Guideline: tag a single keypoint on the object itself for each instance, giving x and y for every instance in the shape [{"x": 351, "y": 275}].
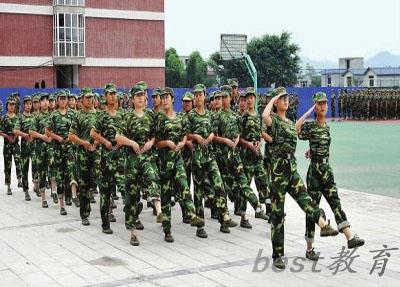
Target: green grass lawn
[{"x": 365, "y": 156}]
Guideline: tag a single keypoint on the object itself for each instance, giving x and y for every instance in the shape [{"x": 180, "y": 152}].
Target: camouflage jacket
[
  {"x": 140, "y": 129},
  {"x": 284, "y": 136},
  {"x": 318, "y": 137}
]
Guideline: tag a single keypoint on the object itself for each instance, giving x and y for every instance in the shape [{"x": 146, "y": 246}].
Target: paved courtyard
[{"x": 38, "y": 247}]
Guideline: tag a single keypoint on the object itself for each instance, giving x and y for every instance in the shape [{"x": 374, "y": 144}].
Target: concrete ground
[{"x": 38, "y": 247}]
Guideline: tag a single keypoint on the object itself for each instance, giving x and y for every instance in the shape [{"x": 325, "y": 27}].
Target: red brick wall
[
  {"x": 29, "y": 2},
  {"x": 116, "y": 38},
  {"x": 26, "y": 78},
  {"x": 122, "y": 77},
  {"x": 141, "y": 5},
  {"x": 26, "y": 35}
]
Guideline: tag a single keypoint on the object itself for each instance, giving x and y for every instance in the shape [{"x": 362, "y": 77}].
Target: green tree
[
  {"x": 274, "y": 56},
  {"x": 174, "y": 69},
  {"x": 196, "y": 69}
]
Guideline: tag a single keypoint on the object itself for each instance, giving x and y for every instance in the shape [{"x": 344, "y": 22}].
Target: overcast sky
[{"x": 325, "y": 30}]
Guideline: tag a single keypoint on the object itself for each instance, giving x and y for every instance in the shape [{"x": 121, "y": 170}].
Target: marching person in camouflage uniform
[
  {"x": 320, "y": 180},
  {"x": 284, "y": 176},
  {"x": 58, "y": 130},
  {"x": 11, "y": 143},
  {"x": 242, "y": 104},
  {"x": 204, "y": 167},
  {"x": 227, "y": 133},
  {"x": 104, "y": 131},
  {"x": 87, "y": 156},
  {"x": 333, "y": 105},
  {"x": 171, "y": 139},
  {"x": 137, "y": 132},
  {"x": 21, "y": 129},
  {"x": 35, "y": 175},
  {"x": 71, "y": 157},
  {"x": 42, "y": 142},
  {"x": 234, "y": 84},
  {"x": 251, "y": 127}
]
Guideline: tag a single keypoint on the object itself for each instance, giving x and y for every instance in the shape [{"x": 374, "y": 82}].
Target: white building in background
[{"x": 351, "y": 73}]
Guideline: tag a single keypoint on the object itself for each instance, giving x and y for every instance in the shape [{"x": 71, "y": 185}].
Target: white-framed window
[
  {"x": 69, "y": 2},
  {"x": 329, "y": 81},
  {"x": 371, "y": 81},
  {"x": 69, "y": 35}
]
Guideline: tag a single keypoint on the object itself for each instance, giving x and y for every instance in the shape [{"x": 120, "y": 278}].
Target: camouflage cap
[
  {"x": 241, "y": 95},
  {"x": 103, "y": 101},
  {"x": 86, "y": 92},
  {"x": 188, "y": 96},
  {"x": 226, "y": 90},
  {"x": 120, "y": 96},
  {"x": 110, "y": 88},
  {"x": 27, "y": 98},
  {"x": 71, "y": 95},
  {"x": 137, "y": 89},
  {"x": 61, "y": 93},
  {"x": 320, "y": 97},
  {"x": 233, "y": 82},
  {"x": 199, "y": 88},
  {"x": 44, "y": 95},
  {"x": 96, "y": 95},
  {"x": 217, "y": 94},
  {"x": 11, "y": 100},
  {"x": 143, "y": 84},
  {"x": 280, "y": 91},
  {"x": 167, "y": 90},
  {"x": 52, "y": 97},
  {"x": 158, "y": 92},
  {"x": 36, "y": 97},
  {"x": 250, "y": 91}
]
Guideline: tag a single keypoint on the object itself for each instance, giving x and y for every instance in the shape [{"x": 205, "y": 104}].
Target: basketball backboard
[{"x": 233, "y": 46}]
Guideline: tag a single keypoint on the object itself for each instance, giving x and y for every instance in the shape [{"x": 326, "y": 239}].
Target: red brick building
[{"x": 78, "y": 43}]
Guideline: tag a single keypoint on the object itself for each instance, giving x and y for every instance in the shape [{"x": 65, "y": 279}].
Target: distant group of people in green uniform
[
  {"x": 365, "y": 104},
  {"x": 80, "y": 145}
]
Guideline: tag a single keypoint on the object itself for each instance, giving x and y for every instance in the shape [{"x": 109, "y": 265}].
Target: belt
[{"x": 320, "y": 159}]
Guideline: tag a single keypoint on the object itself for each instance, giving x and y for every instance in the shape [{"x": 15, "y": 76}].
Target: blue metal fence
[{"x": 305, "y": 95}]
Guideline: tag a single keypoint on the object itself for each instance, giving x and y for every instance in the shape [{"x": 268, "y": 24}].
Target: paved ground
[{"x": 38, "y": 247}]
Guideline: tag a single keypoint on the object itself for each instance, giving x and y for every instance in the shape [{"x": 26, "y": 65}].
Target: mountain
[
  {"x": 383, "y": 59},
  {"x": 317, "y": 64}
]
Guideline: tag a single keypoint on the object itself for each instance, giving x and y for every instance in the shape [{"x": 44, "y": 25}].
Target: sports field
[{"x": 365, "y": 156}]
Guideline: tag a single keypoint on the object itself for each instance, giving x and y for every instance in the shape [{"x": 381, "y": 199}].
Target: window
[
  {"x": 69, "y": 35},
  {"x": 347, "y": 64},
  {"x": 371, "y": 81},
  {"x": 69, "y": 2},
  {"x": 349, "y": 81},
  {"x": 329, "y": 81}
]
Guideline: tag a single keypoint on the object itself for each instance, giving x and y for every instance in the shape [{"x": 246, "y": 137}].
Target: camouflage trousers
[
  {"x": 71, "y": 165},
  {"x": 86, "y": 174},
  {"x": 207, "y": 178},
  {"x": 120, "y": 172},
  {"x": 27, "y": 153},
  {"x": 35, "y": 177},
  {"x": 60, "y": 167},
  {"x": 235, "y": 181},
  {"x": 254, "y": 167},
  {"x": 140, "y": 171},
  {"x": 44, "y": 159},
  {"x": 11, "y": 150},
  {"x": 187, "y": 161},
  {"x": 320, "y": 181},
  {"x": 174, "y": 182},
  {"x": 107, "y": 183},
  {"x": 285, "y": 179}
]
